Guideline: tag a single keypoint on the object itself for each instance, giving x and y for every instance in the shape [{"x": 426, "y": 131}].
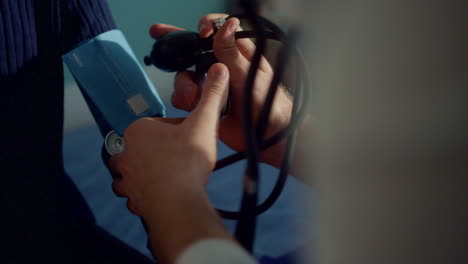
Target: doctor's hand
[
  {"x": 165, "y": 167},
  {"x": 236, "y": 55},
  {"x": 163, "y": 154}
]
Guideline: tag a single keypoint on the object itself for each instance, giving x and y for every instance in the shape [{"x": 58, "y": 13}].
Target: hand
[
  {"x": 166, "y": 156},
  {"x": 236, "y": 55},
  {"x": 164, "y": 168}
]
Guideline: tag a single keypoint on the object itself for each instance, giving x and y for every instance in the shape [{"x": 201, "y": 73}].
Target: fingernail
[{"x": 219, "y": 72}]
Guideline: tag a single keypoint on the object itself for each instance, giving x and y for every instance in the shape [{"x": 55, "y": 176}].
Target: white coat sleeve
[{"x": 215, "y": 251}]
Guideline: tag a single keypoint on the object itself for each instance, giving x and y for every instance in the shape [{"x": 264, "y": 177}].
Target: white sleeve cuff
[{"x": 215, "y": 251}]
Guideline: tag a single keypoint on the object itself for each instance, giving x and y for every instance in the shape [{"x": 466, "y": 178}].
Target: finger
[
  {"x": 132, "y": 208},
  {"x": 214, "y": 95},
  {"x": 160, "y": 30},
  {"x": 114, "y": 168},
  {"x": 135, "y": 128},
  {"x": 227, "y": 52},
  {"x": 172, "y": 121},
  {"x": 247, "y": 49},
  {"x": 206, "y": 28},
  {"x": 117, "y": 188},
  {"x": 206, "y": 25},
  {"x": 186, "y": 91}
]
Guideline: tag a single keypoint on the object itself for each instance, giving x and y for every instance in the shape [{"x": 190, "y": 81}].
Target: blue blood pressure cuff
[{"x": 114, "y": 84}]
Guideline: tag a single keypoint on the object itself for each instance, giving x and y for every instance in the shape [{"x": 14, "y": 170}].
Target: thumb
[
  {"x": 227, "y": 51},
  {"x": 214, "y": 95}
]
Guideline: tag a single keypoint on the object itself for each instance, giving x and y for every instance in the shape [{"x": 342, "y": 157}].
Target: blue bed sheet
[{"x": 277, "y": 229}]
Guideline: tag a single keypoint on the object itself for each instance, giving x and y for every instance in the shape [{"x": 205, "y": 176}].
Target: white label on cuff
[{"x": 138, "y": 104}]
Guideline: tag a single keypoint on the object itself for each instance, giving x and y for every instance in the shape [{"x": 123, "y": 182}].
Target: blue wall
[{"x": 135, "y": 17}]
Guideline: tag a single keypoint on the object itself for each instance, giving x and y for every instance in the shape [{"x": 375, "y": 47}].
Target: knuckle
[
  {"x": 117, "y": 189},
  {"x": 174, "y": 100},
  {"x": 229, "y": 47},
  {"x": 131, "y": 207},
  {"x": 215, "y": 89},
  {"x": 204, "y": 19},
  {"x": 130, "y": 131},
  {"x": 134, "y": 128},
  {"x": 156, "y": 26},
  {"x": 116, "y": 166}
]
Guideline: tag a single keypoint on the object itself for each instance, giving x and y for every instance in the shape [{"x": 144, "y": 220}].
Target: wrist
[
  {"x": 300, "y": 167},
  {"x": 178, "y": 219},
  {"x": 275, "y": 154},
  {"x": 282, "y": 117},
  {"x": 175, "y": 187}
]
